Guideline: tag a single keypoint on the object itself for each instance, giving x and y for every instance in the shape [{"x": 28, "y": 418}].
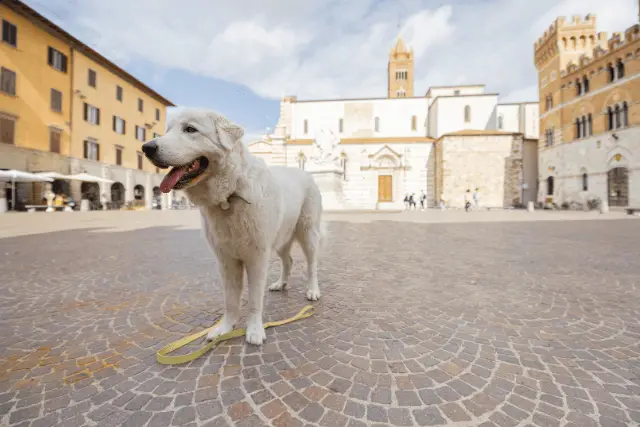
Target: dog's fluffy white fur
[{"x": 248, "y": 211}]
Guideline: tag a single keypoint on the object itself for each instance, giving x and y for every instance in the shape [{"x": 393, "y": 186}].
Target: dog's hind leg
[
  {"x": 231, "y": 272},
  {"x": 287, "y": 262},
  {"x": 309, "y": 235}
]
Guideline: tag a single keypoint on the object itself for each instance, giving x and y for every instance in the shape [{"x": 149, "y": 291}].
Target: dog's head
[{"x": 194, "y": 139}]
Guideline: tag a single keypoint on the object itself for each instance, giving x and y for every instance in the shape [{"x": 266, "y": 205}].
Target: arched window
[
  {"x": 612, "y": 73},
  {"x": 589, "y": 125},
  {"x": 584, "y": 127},
  {"x": 618, "y": 117},
  {"x": 619, "y": 69},
  {"x": 467, "y": 114},
  {"x": 585, "y": 84},
  {"x": 578, "y": 88},
  {"x": 625, "y": 114},
  {"x": 500, "y": 122},
  {"x": 585, "y": 182},
  {"x": 609, "y": 118},
  {"x": 578, "y": 128},
  {"x": 550, "y": 186},
  {"x": 376, "y": 124}
]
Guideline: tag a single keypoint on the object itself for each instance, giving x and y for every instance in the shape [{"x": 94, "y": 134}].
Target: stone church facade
[{"x": 450, "y": 140}]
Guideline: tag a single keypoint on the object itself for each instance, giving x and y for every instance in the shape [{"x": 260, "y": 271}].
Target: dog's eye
[{"x": 190, "y": 129}]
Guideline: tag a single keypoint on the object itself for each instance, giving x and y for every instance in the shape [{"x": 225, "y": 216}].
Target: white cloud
[{"x": 320, "y": 49}]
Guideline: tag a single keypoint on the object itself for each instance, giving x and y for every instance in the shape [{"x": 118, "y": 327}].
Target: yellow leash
[{"x": 163, "y": 357}]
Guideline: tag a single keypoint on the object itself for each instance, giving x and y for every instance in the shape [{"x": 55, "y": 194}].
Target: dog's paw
[
  {"x": 313, "y": 294},
  {"x": 220, "y": 329},
  {"x": 256, "y": 334},
  {"x": 277, "y": 286}
]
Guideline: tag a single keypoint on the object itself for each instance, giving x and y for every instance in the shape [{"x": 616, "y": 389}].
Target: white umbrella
[
  {"x": 88, "y": 178},
  {"x": 14, "y": 176},
  {"x": 54, "y": 175}
]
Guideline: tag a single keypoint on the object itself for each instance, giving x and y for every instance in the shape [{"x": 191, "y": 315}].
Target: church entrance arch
[{"x": 618, "y": 186}]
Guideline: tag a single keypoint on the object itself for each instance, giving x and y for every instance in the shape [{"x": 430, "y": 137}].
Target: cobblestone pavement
[{"x": 479, "y": 324}]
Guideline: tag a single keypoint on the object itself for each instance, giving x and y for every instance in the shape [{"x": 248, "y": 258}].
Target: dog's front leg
[
  {"x": 231, "y": 272},
  {"x": 257, "y": 270}
]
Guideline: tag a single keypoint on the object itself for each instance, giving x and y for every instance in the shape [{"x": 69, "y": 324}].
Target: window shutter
[
  {"x": 50, "y": 57},
  {"x": 114, "y": 124},
  {"x": 14, "y": 34},
  {"x": 97, "y": 116},
  {"x": 97, "y": 151},
  {"x": 124, "y": 126},
  {"x": 64, "y": 63},
  {"x": 86, "y": 112},
  {"x": 144, "y": 134},
  {"x": 86, "y": 149}
]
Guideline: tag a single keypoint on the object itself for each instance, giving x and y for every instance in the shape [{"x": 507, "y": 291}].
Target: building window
[
  {"x": 414, "y": 123},
  {"x": 141, "y": 133},
  {"x": 467, "y": 114},
  {"x": 7, "y": 130},
  {"x": 57, "y": 60},
  {"x": 589, "y": 125},
  {"x": 578, "y": 128},
  {"x": 119, "y": 93},
  {"x": 8, "y": 81},
  {"x": 340, "y": 125},
  {"x": 612, "y": 73},
  {"x": 140, "y": 161},
  {"x": 376, "y": 124},
  {"x": 9, "y": 33},
  {"x": 585, "y": 182},
  {"x": 585, "y": 85},
  {"x": 402, "y": 75},
  {"x": 456, "y": 93},
  {"x": 609, "y": 118},
  {"x": 550, "y": 186},
  {"x": 500, "y": 121},
  {"x": 56, "y": 100},
  {"x": 54, "y": 140},
  {"x": 578, "y": 88},
  {"x": 625, "y": 114},
  {"x": 549, "y": 137},
  {"x": 401, "y": 93},
  {"x": 119, "y": 156},
  {"x": 119, "y": 125},
  {"x": 305, "y": 126},
  {"x": 91, "y": 150},
  {"x": 140, "y": 105},
  {"x": 91, "y": 114},
  {"x": 619, "y": 69},
  {"x": 617, "y": 117},
  {"x": 157, "y": 114},
  {"x": 92, "y": 78}
]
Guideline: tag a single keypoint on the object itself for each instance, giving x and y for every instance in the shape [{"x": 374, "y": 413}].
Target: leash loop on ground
[{"x": 162, "y": 356}]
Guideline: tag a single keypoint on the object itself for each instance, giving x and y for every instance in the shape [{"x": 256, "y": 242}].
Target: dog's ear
[{"x": 228, "y": 132}]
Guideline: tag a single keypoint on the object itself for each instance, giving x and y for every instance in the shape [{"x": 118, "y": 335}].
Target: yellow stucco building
[
  {"x": 589, "y": 85},
  {"x": 66, "y": 108}
]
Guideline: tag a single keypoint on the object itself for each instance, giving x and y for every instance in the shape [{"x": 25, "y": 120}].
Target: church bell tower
[{"x": 400, "y": 71}]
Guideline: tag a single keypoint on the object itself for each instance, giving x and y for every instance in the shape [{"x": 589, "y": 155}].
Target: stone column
[
  {"x": 128, "y": 187},
  {"x": 148, "y": 192},
  {"x": 3, "y": 199}
]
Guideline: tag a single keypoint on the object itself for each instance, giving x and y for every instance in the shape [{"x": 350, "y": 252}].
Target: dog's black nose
[{"x": 150, "y": 149}]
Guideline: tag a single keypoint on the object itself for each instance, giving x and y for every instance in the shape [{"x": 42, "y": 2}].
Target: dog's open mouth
[{"x": 182, "y": 176}]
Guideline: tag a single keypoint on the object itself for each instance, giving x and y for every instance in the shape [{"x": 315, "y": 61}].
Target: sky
[{"x": 240, "y": 57}]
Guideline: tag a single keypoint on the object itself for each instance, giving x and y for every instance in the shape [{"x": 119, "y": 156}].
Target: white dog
[{"x": 247, "y": 209}]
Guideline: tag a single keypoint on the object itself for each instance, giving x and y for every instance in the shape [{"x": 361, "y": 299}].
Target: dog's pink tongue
[{"x": 171, "y": 179}]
